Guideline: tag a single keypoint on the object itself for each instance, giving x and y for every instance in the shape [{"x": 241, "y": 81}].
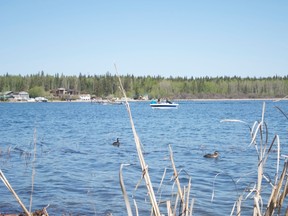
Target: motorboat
[
  {"x": 41, "y": 99},
  {"x": 163, "y": 105}
]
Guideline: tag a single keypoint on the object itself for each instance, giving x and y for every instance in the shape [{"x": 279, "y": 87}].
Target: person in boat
[
  {"x": 158, "y": 101},
  {"x": 167, "y": 101}
]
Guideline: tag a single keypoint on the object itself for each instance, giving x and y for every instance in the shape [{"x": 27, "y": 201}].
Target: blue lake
[{"x": 77, "y": 168}]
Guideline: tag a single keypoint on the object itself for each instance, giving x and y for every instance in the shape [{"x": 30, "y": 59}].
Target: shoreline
[{"x": 132, "y": 100}]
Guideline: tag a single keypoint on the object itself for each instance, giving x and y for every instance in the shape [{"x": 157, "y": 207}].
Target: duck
[
  {"x": 214, "y": 155},
  {"x": 116, "y": 143}
]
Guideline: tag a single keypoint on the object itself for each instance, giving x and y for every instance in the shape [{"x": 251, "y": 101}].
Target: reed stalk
[
  {"x": 169, "y": 211},
  {"x": 136, "y": 207},
  {"x": 176, "y": 176},
  {"x": 188, "y": 196},
  {"x": 276, "y": 198},
  {"x": 176, "y": 204},
  {"x": 128, "y": 207},
  {"x": 284, "y": 193},
  {"x": 33, "y": 169},
  {"x": 239, "y": 206},
  {"x": 7, "y": 184},
  {"x": 183, "y": 195},
  {"x": 143, "y": 164},
  {"x": 191, "y": 206},
  {"x": 254, "y": 132},
  {"x": 162, "y": 180}
]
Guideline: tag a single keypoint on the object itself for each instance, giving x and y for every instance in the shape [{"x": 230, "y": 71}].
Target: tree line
[{"x": 107, "y": 85}]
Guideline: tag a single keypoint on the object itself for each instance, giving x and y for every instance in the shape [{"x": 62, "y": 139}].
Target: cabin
[
  {"x": 64, "y": 94},
  {"x": 60, "y": 92},
  {"x": 6, "y": 95},
  {"x": 24, "y": 95},
  {"x": 21, "y": 96}
]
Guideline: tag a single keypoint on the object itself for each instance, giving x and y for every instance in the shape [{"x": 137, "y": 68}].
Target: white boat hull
[{"x": 164, "y": 106}]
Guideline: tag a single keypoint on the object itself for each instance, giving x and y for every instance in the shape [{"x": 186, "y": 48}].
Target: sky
[{"x": 186, "y": 38}]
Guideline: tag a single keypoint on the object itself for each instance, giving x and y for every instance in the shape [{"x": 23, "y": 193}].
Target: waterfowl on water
[
  {"x": 214, "y": 155},
  {"x": 116, "y": 143}
]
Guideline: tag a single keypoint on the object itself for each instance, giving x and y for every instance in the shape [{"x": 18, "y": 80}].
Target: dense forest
[{"x": 107, "y": 85}]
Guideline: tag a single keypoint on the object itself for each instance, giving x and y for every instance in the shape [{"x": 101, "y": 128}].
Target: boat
[
  {"x": 41, "y": 99},
  {"x": 163, "y": 105}
]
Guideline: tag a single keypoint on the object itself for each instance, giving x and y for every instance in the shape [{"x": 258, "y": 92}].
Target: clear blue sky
[{"x": 152, "y": 37}]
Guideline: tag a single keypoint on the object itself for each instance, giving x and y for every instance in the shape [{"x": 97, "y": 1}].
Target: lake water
[{"x": 77, "y": 168}]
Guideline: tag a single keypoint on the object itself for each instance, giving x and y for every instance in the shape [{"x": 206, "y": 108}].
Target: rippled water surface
[{"x": 77, "y": 168}]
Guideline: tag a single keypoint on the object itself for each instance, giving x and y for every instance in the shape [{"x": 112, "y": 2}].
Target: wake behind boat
[{"x": 163, "y": 105}]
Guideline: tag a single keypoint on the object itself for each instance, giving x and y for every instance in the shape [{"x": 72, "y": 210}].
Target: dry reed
[
  {"x": 33, "y": 169},
  {"x": 143, "y": 164},
  {"x": 260, "y": 131},
  {"x": 7, "y": 184},
  {"x": 128, "y": 207},
  {"x": 42, "y": 212},
  {"x": 184, "y": 193}
]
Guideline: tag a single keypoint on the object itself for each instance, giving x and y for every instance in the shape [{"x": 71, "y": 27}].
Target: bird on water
[
  {"x": 116, "y": 143},
  {"x": 214, "y": 155}
]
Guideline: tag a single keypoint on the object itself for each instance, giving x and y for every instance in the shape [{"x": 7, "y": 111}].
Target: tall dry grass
[
  {"x": 33, "y": 169},
  {"x": 144, "y": 166},
  {"x": 27, "y": 212},
  {"x": 279, "y": 187},
  {"x": 183, "y": 193},
  {"x": 9, "y": 187}
]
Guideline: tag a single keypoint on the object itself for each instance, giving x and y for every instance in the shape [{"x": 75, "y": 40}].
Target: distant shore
[{"x": 132, "y": 100}]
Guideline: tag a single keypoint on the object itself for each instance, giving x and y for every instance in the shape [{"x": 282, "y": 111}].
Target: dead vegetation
[
  {"x": 183, "y": 195},
  {"x": 26, "y": 212},
  {"x": 279, "y": 187}
]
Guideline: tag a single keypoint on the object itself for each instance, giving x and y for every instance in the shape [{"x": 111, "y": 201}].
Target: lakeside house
[
  {"x": 21, "y": 96},
  {"x": 6, "y": 95},
  {"x": 60, "y": 92},
  {"x": 64, "y": 94},
  {"x": 11, "y": 96},
  {"x": 24, "y": 96}
]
